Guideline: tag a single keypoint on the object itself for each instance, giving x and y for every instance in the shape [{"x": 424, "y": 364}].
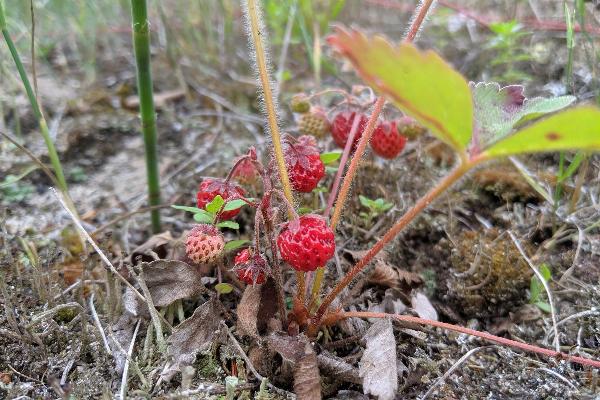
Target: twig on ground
[
  {"x": 123, "y": 390},
  {"x": 453, "y": 368},
  {"x": 98, "y": 324}
]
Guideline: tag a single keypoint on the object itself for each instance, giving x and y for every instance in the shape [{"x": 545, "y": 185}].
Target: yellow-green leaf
[
  {"x": 573, "y": 129},
  {"x": 420, "y": 83}
]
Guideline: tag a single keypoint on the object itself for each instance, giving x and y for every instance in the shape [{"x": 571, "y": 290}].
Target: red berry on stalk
[
  {"x": 386, "y": 141},
  {"x": 245, "y": 172},
  {"x": 342, "y": 125},
  {"x": 304, "y": 163},
  {"x": 211, "y": 187},
  {"x": 250, "y": 269},
  {"x": 204, "y": 244},
  {"x": 306, "y": 243}
]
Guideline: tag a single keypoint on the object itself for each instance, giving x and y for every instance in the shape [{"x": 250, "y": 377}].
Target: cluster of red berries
[
  {"x": 388, "y": 140},
  {"x": 305, "y": 243}
]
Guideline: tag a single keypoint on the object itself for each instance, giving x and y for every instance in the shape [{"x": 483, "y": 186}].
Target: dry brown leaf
[
  {"x": 307, "y": 381},
  {"x": 158, "y": 244},
  {"x": 384, "y": 275},
  {"x": 378, "y": 366},
  {"x": 421, "y": 304},
  {"x": 168, "y": 281},
  {"x": 192, "y": 336},
  {"x": 290, "y": 348},
  {"x": 409, "y": 279},
  {"x": 336, "y": 368},
  {"x": 256, "y": 308}
]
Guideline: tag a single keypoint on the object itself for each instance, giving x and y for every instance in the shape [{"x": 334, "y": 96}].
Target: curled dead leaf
[
  {"x": 194, "y": 335},
  {"x": 256, "y": 308},
  {"x": 307, "y": 381},
  {"x": 378, "y": 366},
  {"x": 167, "y": 281},
  {"x": 423, "y": 307}
]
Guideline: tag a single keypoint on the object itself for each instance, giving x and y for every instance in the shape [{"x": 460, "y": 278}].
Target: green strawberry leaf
[
  {"x": 189, "y": 209},
  {"x": 228, "y": 224},
  {"x": 204, "y": 218},
  {"x": 330, "y": 157},
  {"x": 215, "y": 205},
  {"x": 498, "y": 110},
  {"x": 235, "y": 204},
  {"x": 235, "y": 244},
  {"x": 420, "y": 83},
  {"x": 573, "y": 129}
]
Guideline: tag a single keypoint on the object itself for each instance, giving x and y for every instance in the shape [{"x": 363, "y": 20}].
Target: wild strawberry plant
[{"x": 478, "y": 121}]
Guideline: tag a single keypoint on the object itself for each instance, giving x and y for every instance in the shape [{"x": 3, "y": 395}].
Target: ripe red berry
[
  {"x": 204, "y": 244},
  {"x": 306, "y": 243},
  {"x": 211, "y": 187},
  {"x": 304, "y": 163},
  {"x": 342, "y": 125},
  {"x": 386, "y": 141},
  {"x": 250, "y": 269}
]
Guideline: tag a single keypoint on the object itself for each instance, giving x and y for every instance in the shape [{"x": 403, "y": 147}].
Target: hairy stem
[
  {"x": 354, "y": 164},
  {"x": 404, "y": 221},
  {"x": 484, "y": 335},
  {"x": 141, "y": 43},
  {"x": 418, "y": 19},
  {"x": 256, "y": 36},
  {"x": 37, "y": 112}
]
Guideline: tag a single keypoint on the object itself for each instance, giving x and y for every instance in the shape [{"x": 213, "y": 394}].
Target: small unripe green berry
[
  {"x": 410, "y": 128},
  {"x": 300, "y": 103}
]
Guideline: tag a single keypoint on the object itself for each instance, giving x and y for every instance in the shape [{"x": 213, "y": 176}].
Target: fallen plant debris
[{"x": 383, "y": 234}]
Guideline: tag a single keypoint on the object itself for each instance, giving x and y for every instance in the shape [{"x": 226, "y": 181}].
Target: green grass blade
[{"x": 141, "y": 43}]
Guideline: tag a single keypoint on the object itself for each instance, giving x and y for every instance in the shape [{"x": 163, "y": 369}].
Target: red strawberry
[
  {"x": 304, "y": 163},
  {"x": 245, "y": 172},
  {"x": 211, "y": 187},
  {"x": 342, "y": 124},
  {"x": 387, "y": 142},
  {"x": 204, "y": 244},
  {"x": 306, "y": 243},
  {"x": 250, "y": 269}
]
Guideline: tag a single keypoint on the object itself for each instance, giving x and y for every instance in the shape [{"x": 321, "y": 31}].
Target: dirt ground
[{"x": 458, "y": 256}]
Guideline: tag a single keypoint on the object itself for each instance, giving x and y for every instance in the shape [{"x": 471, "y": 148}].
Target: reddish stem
[
  {"x": 344, "y": 159},
  {"x": 406, "y": 219},
  {"x": 354, "y": 163},
  {"x": 417, "y": 22},
  {"x": 456, "y": 328}
]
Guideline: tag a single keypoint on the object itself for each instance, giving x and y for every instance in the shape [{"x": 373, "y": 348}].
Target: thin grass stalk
[
  {"x": 37, "y": 112},
  {"x": 141, "y": 43}
]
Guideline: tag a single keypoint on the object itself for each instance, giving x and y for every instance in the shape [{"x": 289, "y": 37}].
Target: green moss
[{"x": 489, "y": 276}]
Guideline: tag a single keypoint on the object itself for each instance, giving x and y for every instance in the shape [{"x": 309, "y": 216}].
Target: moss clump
[
  {"x": 65, "y": 315},
  {"x": 489, "y": 276}
]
